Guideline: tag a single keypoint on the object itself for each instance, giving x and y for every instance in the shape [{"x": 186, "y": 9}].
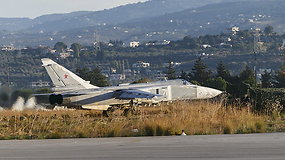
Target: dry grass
[{"x": 194, "y": 117}]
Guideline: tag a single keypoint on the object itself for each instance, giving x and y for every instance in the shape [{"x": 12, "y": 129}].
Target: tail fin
[{"x": 62, "y": 78}]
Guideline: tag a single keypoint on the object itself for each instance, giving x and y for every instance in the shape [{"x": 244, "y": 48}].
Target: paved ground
[{"x": 217, "y": 147}]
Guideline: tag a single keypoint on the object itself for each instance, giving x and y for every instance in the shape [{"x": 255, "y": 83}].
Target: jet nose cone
[{"x": 207, "y": 93}]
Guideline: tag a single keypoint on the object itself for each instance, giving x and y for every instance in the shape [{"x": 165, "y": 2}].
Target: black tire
[
  {"x": 127, "y": 112},
  {"x": 106, "y": 114}
]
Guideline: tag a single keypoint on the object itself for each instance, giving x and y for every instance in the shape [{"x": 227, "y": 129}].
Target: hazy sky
[{"x": 34, "y": 8}]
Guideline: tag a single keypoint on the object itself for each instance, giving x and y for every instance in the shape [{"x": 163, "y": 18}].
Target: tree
[
  {"x": 184, "y": 76},
  {"x": 189, "y": 42},
  {"x": 217, "y": 83},
  {"x": 247, "y": 76},
  {"x": 223, "y": 72},
  {"x": 268, "y": 30},
  {"x": 76, "y": 47},
  {"x": 239, "y": 85},
  {"x": 266, "y": 80},
  {"x": 116, "y": 43},
  {"x": 60, "y": 47},
  {"x": 170, "y": 73},
  {"x": 200, "y": 72},
  {"x": 237, "y": 88},
  {"x": 280, "y": 79},
  {"x": 100, "y": 55},
  {"x": 94, "y": 76},
  {"x": 142, "y": 80}
]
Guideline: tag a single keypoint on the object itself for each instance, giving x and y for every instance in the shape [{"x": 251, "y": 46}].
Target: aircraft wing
[
  {"x": 134, "y": 94},
  {"x": 66, "y": 95}
]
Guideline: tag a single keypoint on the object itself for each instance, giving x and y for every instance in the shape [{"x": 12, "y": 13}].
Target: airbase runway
[{"x": 214, "y": 147}]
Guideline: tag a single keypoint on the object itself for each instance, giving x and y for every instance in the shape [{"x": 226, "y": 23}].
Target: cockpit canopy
[{"x": 186, "y": 83}]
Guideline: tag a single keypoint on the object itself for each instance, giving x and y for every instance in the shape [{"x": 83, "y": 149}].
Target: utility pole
[
  {"x": 256, "y": 39},
  {"x": 97, "y": 46},
  {"x": 9, "y": 84},
  {"x": 123, "y": 70},
  {"x": 283, "y": 49}
]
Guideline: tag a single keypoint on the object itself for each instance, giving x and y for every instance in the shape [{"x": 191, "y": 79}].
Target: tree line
[{"x": 236, "y": 85}]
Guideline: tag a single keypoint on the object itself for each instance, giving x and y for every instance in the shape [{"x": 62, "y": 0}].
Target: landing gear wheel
[
  {"x": 127, "y": 112},
  {"x": 106, "y": 114},
  {"x": 135, "y": 110},
  {"x": 131, "y": 111}
]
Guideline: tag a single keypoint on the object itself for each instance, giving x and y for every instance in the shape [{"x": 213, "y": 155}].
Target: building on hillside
[
  {"x": 235, "y": 29},
  {"x": 52, "y": 50},
  {"x": 204, "y": 46},
  {"x": 40, "y": 84},
  {"x": 261, "y": 47},
  {"x": 8, "y": 48},
  {"x": 225, "y": 45},
  {"x": 134, "y": 44},
  {"x": 108, "y": 71},
  {"x": 110, "y": 44},
  {"x": 141, "y": 64},
  {"x": 174, "y": 64},
  {"x": 117, "y": 77},
  {"x": 158, "y": 43},
  {"x": 69, "y": 50},
  {"x": 64, "y": 55},
  {"x": 128, "y": 72},
  {"x": 261, "y": 72}
]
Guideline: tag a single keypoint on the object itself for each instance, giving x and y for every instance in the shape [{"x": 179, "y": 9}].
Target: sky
[{"x": 35, "y": 8}]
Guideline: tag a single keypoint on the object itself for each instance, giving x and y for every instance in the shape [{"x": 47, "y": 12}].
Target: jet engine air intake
[{"x": 56, "y": 99}]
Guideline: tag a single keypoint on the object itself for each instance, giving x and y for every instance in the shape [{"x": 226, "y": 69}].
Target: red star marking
[{"x": 65, "y": 76}]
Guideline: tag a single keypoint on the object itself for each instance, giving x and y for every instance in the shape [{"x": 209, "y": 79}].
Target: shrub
[{"x": 269, "y": 101}]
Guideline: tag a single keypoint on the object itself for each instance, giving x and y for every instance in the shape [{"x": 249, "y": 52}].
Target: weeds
[{"x": 196, "y": 118}]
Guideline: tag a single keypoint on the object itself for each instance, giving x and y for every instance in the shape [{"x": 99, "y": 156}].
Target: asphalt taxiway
[{"x": 214, "y": 147}]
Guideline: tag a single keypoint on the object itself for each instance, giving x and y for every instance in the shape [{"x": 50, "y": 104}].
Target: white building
[
  {"x": 52, "y": 50},
  {"x": 8, "y": 48},
  {"x": 235, "y": 29},
  {"x": 40, "y": 84},
  {"x": 225, "y": 45},
  {"x": 117, "y": 77},
  {"x": 174, "y": 64},
  {"x": 134, "y": 44},
  {"x": 206, "y": 46},
  {"x": 141, "y": 64},
  {"x": 158, "y": 43},
  {"x": 64, "y": 55}
]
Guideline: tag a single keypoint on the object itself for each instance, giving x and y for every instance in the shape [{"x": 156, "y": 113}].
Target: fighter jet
[{"x": 72, "y": 91}]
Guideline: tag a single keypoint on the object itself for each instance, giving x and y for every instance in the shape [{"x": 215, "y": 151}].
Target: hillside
[
  {"x": 121, "y": 14},
  {"x": 211, "y": 19},
  {"x": 152, "y": 20},
  {"x": 13, "y": 24}
]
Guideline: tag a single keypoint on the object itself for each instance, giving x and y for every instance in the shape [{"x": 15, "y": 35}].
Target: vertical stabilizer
[{"x": 63, "y": 78}]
